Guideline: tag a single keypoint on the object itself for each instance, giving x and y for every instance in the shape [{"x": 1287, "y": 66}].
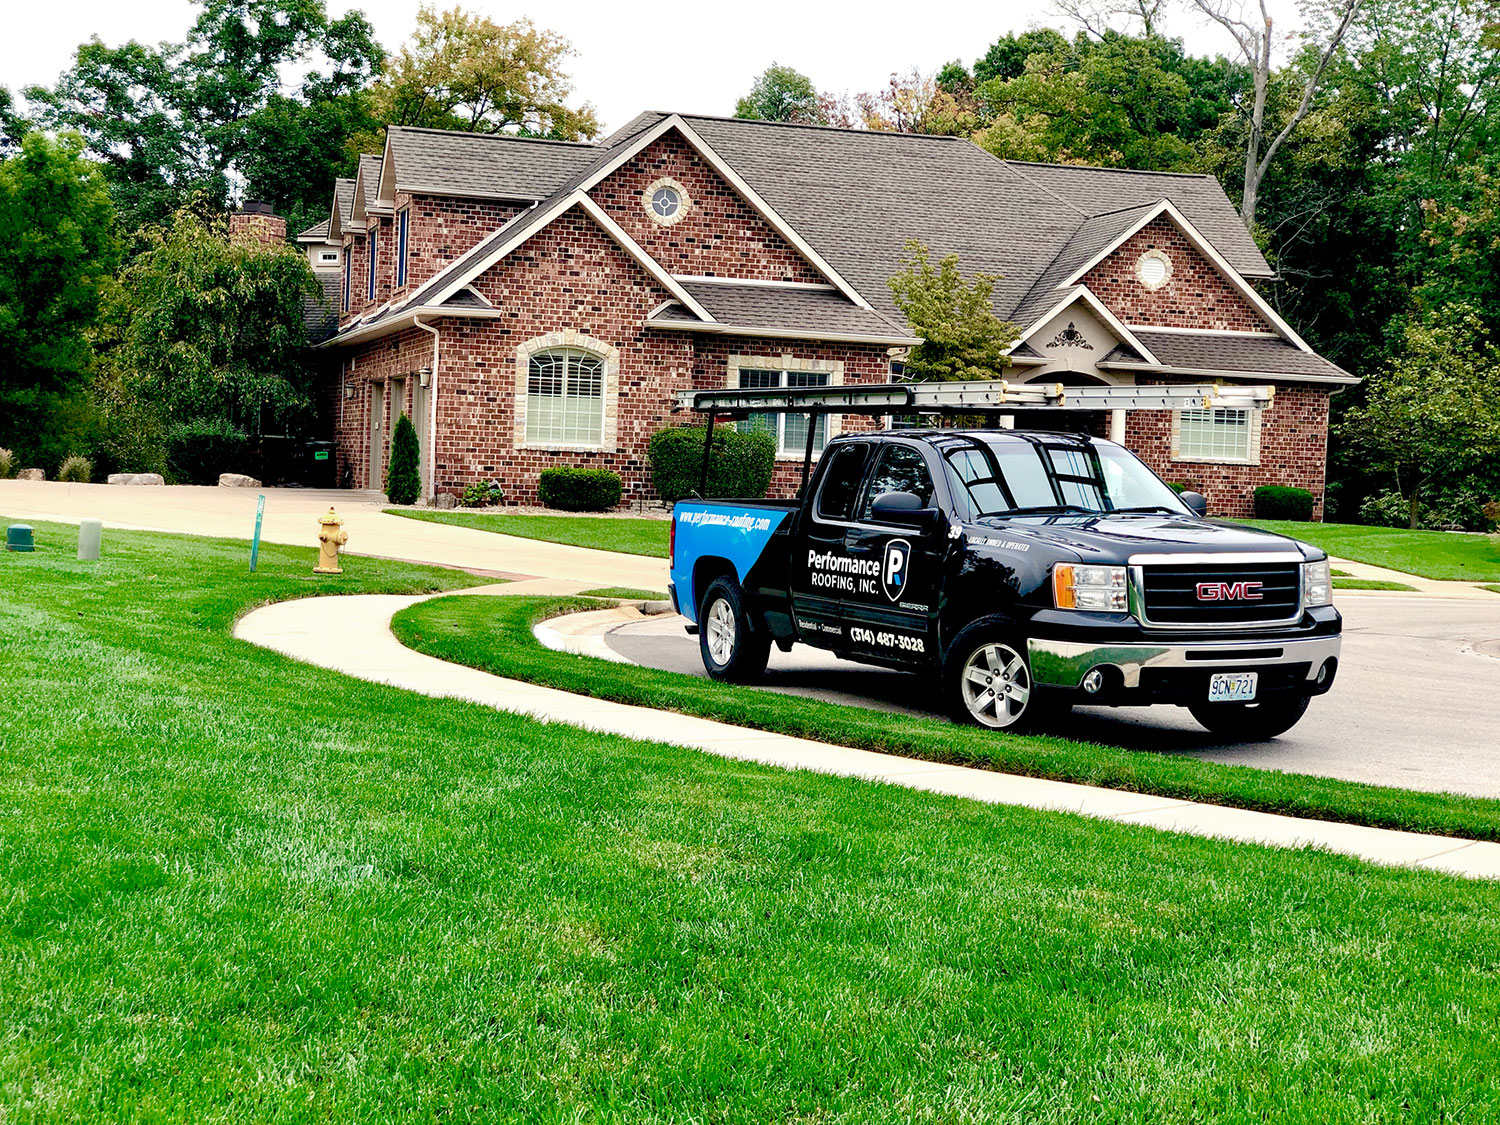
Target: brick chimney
[{"x": 257, "y": 223}]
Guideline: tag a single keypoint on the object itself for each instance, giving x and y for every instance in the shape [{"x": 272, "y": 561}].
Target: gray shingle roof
[
  {"x": 1092, "y": 236},
  {"x": 1233, "y": 354},
  {"x": 485, "y": 165},
  {"x": 343, "y": 195},
  {"x": 318, "y": 232},
  {"x": 1199, "y": 197},
  {"x": 321, "y": 315},
  {"x": 802, "y": 310}
]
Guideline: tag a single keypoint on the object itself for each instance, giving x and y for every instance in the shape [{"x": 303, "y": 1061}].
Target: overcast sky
[{"x": 631, "y": 55}]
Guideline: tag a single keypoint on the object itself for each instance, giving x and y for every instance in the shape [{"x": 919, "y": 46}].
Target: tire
[
  {"x": 1252, "y": 722},
  {"x": 733, "y": 648},
  {"x": 988, "y": 681}
]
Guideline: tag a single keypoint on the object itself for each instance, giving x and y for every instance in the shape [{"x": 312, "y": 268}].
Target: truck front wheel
[
  {"x": 989, "y": 683},
  {"x": 1251, "y": 722},
  {"x": 732, "y": 650}
]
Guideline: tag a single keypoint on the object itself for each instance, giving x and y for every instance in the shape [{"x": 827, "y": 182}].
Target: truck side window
[
  {"x": 841, "y": 482},
  {"x": 901, "y": 468}
]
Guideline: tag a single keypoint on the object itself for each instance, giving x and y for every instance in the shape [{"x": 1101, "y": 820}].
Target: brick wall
[
  {"x": 356, "y": 247},
  {"x": 1197, "y": 296},
  {"x": 720, "y": 235},
  {"x": 444, "y": 229},
  {"x": 259, "y": 228},
  {"x": 1293, "y": 451}
]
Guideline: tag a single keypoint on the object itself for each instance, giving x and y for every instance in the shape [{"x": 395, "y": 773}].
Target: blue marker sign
[{"x": 260, "y": 511}]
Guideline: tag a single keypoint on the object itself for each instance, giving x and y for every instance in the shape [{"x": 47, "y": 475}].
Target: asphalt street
[{"x": 1417, "y": 703}]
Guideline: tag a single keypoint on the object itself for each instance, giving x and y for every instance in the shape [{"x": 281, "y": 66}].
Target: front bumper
[{"x": 1166, "y": 670}]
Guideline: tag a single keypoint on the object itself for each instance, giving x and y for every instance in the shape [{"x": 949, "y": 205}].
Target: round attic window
[
  {"x": 1154, "y": 269},
  {"x": 666, "y": 201}
]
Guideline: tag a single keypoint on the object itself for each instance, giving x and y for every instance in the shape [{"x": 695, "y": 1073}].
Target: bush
[
  {"x": 580, "y": 490},
  {"x": 481, "y": 494},
  {"x": 7, "y": 464},
  {"x": 76, "y": 470},
  {"x": 198, "y": 451},
  {"x": 403, "y": 477},
  {"x": 741, "y": 464},
  {"x": 1277, "y": 502}
]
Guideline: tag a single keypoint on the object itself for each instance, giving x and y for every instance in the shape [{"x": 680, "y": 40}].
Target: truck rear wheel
[
  {"x": 1252, "y": 722},
  {"x": 989, "y": 683},
  {"x": 732, "y": 650}
]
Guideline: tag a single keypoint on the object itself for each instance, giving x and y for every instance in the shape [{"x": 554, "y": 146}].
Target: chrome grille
[{"x": 1201, "y": 594}]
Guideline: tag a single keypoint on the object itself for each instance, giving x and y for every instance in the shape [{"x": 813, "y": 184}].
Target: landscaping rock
[
  {"x": 237, "y": 480},
  {"x": 134, "y": 478},
  {"x": 32, "y": 474},
  {"x": 445, "y": 500}
]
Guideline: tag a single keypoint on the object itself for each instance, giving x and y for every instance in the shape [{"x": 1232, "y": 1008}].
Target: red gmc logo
[{"x": 1229, "y": 591}]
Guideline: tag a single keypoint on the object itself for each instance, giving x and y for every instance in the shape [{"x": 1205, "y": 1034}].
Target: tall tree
[
  {"x": 962, "y": 338},
  {"x": 56, "y": 257},
  {"x": 12, "y": 125},
  {"x": 462, "y": 71},
  {"x": 1253, "y": 36},
  {"x": 782, "y": 94}
]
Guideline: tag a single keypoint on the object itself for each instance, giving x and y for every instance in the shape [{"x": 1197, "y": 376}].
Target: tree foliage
[
  {"x": 962, "y": 338},
  {"x": 214, "y": 327},
  {"x": 464, "y": 71},
  {"x": 1435, "y": 415},
  {"x": 782, "y": 94},
  {"x": 57, "y": 252}
]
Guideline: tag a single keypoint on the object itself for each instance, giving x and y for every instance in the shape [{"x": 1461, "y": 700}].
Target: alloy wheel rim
[
  {"x": 720, "y": 631},
  {"x": 996, "y": 685}
]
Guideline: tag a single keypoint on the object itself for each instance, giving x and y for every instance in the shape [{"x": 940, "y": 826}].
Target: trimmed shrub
[
  {"x": 76, "y": 470},
  {"x": 580, "y": 490},
  {"x": 741, "y": 464},
  {"x": 1278, "y": 502},
  {"x": 481, "y": 494},
  {"x": 403, "y": 477},
  {"x": 7, "y": 464},
  {"x": 198, "y": 451}
]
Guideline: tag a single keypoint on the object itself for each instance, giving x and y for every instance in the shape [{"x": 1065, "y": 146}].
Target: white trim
[
  {"x": 1096, "y": 306},
  {"x": 387, "y": 172},
  {"x": 1204, "y": 331},
  {"x": 1204, "y": 247},
  {"x": 767, "y": 283},
  {"x": 578, "y": 341},
  {"x": 784, "y": 333},
  {"x": 432, "y": 397},
  {"x": 784, "y": 363},
  {"x": 1212, "y": 373},
  {"x": 358, "y": 331},
  {"x": 667, "y": 304}
]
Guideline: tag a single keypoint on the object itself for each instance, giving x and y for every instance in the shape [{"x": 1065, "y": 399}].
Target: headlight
[
  {"x": 1099, "y": 588},
  {"x": 1317, "y": 586}
]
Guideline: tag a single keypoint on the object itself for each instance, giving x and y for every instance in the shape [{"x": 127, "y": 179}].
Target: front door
[
  {"x": 419, "y": 407},
  {"x": 893, "y": 616},
  {"x": 377, "y": 440},
  {"x": 820, "y": 574}
]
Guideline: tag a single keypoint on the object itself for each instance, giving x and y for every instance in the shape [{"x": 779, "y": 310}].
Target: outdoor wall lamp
[
  {"x": 424, "y": 377},
  {"x": 349, "y": 390}
]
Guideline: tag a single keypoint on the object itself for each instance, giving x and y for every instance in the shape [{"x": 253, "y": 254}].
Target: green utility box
[{"x": 18, "y": 538}]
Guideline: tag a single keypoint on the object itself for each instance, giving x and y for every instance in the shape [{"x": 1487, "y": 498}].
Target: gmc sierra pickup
[{"x": 1030, "y": 571}]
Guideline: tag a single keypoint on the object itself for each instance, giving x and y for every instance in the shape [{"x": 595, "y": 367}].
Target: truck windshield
[{"x": 1017, "y": 478}]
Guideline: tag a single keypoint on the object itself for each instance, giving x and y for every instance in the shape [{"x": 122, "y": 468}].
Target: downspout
[{"x": 432, "y": 399}]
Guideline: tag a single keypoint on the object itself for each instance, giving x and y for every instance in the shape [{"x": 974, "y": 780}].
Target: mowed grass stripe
[
  {"x": 233, "y": 887},
  {"x": 494, "y": 634},
  {"x": 625, "y": 534}
]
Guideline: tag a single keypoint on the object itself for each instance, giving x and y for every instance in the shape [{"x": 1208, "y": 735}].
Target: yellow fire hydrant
[{"x": 331, "y": 536}]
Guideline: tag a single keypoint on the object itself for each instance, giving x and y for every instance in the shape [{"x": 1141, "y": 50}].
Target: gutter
[
  {"x": 404, "y": 320},
  {"x": 1212, "y": 373},
  {"x": 785, "y": 333}
]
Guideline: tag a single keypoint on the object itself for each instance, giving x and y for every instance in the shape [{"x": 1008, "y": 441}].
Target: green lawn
[
  {"x": 626, "y": 593},
  {"x": 615, "y": 533},
  {"x": 1431, "y": 554},
  {"x": 1369, "y": 584},
  {"x": 494, "y": 633},
  {"x": 235, "y": 888}
]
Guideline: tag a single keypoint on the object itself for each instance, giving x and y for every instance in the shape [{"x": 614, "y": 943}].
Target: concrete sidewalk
[
  {"x": 1429, "y": 587},
  {"x": 367, "y": 650},
  {"x": 291, "y": 518}
]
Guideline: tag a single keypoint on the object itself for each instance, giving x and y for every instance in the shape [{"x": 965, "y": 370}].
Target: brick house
[{"x": 532, "y": 303}]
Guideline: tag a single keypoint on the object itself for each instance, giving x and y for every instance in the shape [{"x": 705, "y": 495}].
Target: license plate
[{"x": 1231, "y": 687}]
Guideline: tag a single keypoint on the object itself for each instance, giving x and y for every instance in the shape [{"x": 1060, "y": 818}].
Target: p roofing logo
[{"x": 895, "y": 568}]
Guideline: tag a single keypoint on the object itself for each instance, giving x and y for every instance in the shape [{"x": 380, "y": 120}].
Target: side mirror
[
  {"x": 1196, "y": 501},
  {"x": 904, "y": 509}
]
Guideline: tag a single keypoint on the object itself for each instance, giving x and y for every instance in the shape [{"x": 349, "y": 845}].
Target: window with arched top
[{"x": 565, "y": 398}]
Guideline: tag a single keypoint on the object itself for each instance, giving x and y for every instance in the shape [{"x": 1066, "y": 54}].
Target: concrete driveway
[
  {"x": 291, "y": 518},
  {"x": 1415, "y": 704}
]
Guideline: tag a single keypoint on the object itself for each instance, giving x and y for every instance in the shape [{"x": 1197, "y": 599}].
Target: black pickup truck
[{"x": 1030, "y": 571}]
